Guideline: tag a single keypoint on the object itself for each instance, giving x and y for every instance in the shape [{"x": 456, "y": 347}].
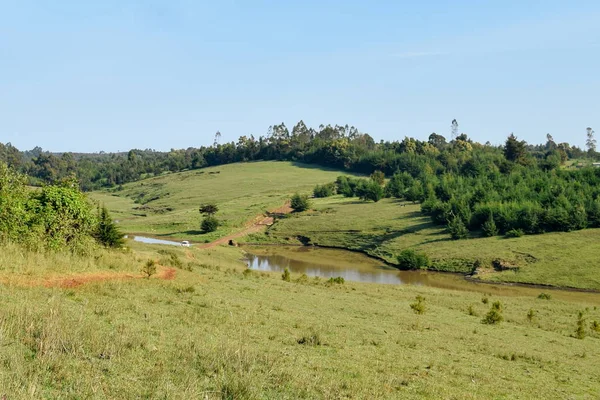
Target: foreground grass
[
  {"x": 168, "y": 205},
  {"x": 217, "y": 331},
  {"x": 385, "y": 228}
]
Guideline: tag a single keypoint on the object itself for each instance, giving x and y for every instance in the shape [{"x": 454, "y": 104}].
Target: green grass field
[
  {"x": 386, "y": 228},
  {"x": 168, "y": 205},
  {"x": 218, "y": 332}
]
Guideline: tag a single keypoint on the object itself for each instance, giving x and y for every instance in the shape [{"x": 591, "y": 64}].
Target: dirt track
[{"x": 258, "y": 224}]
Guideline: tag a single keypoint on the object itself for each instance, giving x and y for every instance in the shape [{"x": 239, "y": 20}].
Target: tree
[
  {"x": 437, "y": 141},
  {"x": 454, "y": 129},
  {"x": 209, "y": 209},
  {"x": 107, "y": 232},
  {"x": 457, "y": 228},
  {"x": 489, "y": 227},
  {"x": 210, "y": 224},
  {"x": 371, "y": 190},
  {"x": 515, "y": 150},
  {"x": 149, "y": 268},
  {"x": 299, "y": 203},
  {"x": 590, "y": 142},
  {"x": 378, "y": 177},
  {"x": 217, "y": 138}
]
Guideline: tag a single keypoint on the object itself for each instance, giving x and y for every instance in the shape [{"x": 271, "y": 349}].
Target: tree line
[{"x": 337, "y": 146}]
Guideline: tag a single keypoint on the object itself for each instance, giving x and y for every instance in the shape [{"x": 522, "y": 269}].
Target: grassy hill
[{"x": 168, "y": 205}]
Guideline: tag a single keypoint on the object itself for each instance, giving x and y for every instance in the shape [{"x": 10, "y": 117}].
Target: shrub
[
  {"x": 471, "y": 310},
  {"x": 149, "y": 268},
  {"x": 378, "y": 177},
  {"x": 286, "y": 276},
  {"x": 457, "y": 228},
  {"x": 494, "y": 316},
  {"x": 371, "y": 191},
  {"x": 324, "y": 190},
  {"x": 299, "y": 203},
  {"x": 419, "y": 306},
  {"x": 531, "y": 314},
  {"x": 544, "y": 296},
  {"x": 485, "y": 300},
  {"x": 595, "y": 326},
  {"x": 311, "y": 339},
  {"x": 411, "y": 259},
  {"x": 580, "y": 331},
  {"x": 209, "y": 224},
  {"x": 339, "y": 280},
  {"x": 489, "y": 228},
  {"x": 514, "y": 233}
]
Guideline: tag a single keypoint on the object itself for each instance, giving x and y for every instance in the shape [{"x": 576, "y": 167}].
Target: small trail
[
  {"x": 71, "y": 281},
  {"x": 258, "y": 224}
]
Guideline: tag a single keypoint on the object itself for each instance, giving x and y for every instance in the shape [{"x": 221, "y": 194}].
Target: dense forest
[{"x": 512, "y": 189}]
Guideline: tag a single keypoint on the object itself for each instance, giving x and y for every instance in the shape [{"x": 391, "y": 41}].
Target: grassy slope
[
  {"x": 385, "y": 228},
  {"x": 218, "y": 332},
  {"x": 241, "y": 191}
]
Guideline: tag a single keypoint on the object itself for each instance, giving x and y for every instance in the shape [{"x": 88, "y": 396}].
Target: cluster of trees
[
  {"x": 336, "y": 146},
  {"x": 55, "y": 217}
]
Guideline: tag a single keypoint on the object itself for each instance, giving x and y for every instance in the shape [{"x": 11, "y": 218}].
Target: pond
[{"x": 352, "y": 266}]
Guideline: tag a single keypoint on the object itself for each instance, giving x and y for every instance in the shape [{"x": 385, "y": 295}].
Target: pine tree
[
  {"x": 107, "y": 231},
  {"x": 457, "y": 228},
  {"x": 489, "y": 227}
]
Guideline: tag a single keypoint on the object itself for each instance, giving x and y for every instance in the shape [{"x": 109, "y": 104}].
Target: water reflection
[{"x": 328, "y": 263}]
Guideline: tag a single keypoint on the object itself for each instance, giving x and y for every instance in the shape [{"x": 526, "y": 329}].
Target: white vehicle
[{"x": 185, "y": 243}]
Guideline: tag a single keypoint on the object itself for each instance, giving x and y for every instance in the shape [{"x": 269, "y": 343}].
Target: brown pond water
[{"x": 352, "y": 266}]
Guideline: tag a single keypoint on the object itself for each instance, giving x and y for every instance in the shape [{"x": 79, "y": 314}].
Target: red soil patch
[{"x": 82, "y": 279}]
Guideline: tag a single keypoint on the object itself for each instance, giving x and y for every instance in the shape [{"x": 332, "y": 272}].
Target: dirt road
[{"x": 256, "y": 225}]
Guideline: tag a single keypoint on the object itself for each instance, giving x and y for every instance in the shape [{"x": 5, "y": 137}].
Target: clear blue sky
[{"x": 117, "y": 74}]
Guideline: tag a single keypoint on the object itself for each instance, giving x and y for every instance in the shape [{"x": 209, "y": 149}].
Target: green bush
[
  {"x": 494, "y": 316},
  {"x": 337, "y": 280},
  {"x": 544, "y": 296},
  {"x": 489, "y": 228},
  {"x": 514, "y": 233},
  {"x": 286, "y": 276},
  {"x": 370, "y": 190},
  {"x": 300, "y": 203},
  {"x": 457, "y": 228},
  {"x": 149, "y": 268},
  {"x": 419, "y": 306},
  {"x": 324, "y": 190},
  {"x": 580, "y": 331},
  {"x": 411, "y": 259},
  {"x": 209, "y": 224}
]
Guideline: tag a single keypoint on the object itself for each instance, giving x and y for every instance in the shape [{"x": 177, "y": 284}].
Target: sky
[{"x": 112, "y": 75}]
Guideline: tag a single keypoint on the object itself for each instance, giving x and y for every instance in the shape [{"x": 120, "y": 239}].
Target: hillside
[{"x": 168, "y": 205}]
